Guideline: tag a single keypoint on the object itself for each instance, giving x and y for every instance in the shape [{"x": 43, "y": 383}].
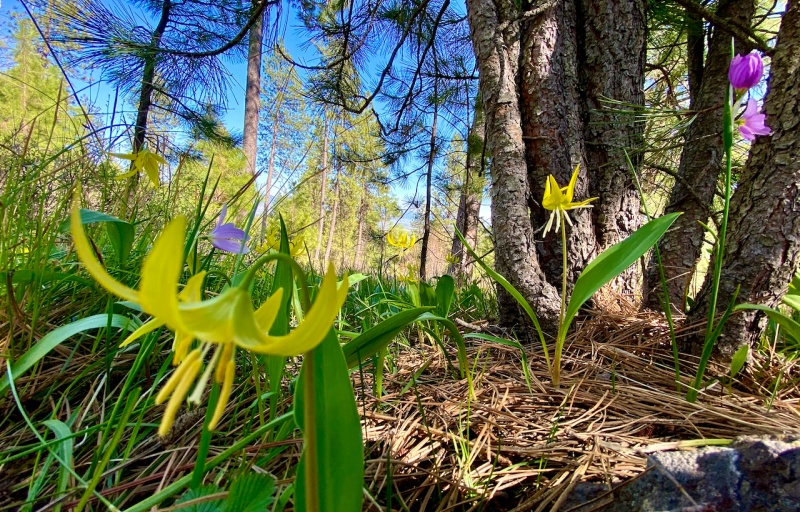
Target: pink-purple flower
[
  {"x": 752, "y": 122},
  {"x": 745, "y": 71},
  {"x": 227, "y": 237}
]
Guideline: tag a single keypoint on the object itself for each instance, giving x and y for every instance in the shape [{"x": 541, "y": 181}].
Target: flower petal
[
  {"x": 571, "y": 187},
  {"x": 87, "y": 257},
  {"x": 158, "y": 292},
  {"x": 308, "y": 334}
]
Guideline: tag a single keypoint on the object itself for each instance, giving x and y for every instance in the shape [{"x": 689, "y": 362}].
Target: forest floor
[{"x": 430, "y": 447}]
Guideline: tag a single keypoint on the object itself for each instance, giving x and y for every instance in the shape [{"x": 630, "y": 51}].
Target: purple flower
[
  {"x": 227, "y": 237},
  {"x": 745, "y": 71},
  {"x": 752, "y": 122}
]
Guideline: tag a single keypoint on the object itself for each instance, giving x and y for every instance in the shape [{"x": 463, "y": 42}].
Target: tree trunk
[
  {"x": 332, "y": 227},
  {"x": 541, "y": 88},
  {"x": 613, "y": 67},
  {"x": 763, "y": 243},
  {"x": 252, "y": 97},
  {"x": 700, "y": 165},
  {"x": 362, "y": 215},
  {"x": 496, "y": 41},
  {"x": 426, "y": 228},
  {"x": 145, "y": 99},
  {"x": 469, "y": 202},
  {"x": 322, "y": 189}
]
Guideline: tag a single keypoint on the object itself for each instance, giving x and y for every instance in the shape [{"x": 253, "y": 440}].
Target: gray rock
[{"x": 753, "y": 474}]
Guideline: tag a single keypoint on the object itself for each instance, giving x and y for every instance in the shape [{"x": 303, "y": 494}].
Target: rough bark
[
  {"x": 496, "y": 41},
  {"x": 612, "y": 67},
  {"x": 552, "y": 129},
  {"x": 252, "y": 96},
  {"x": 542, "y": 74},
  {"x": 763, "y": 243},
  {"x": 700, "y": 165},
  {"x": 469, "y": 202}
]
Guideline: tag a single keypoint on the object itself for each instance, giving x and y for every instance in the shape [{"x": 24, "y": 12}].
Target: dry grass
[{"x": 428, "y": 446}]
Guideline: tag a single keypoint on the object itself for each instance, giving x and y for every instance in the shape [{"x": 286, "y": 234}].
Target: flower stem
[
  {"x": 310, "y": 434},
  {"x": 556, "y": 373}
]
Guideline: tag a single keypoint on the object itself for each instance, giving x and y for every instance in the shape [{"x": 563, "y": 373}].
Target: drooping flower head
[
  {"x": 559, "y": 200},
  {"x": 145, "y": 161},
  {"x": 227, "y": 321},
  {"x": 751, "y": 123},
  {"x": 227, "y": 237},
  {"x": 401, "y": 238},
  {"x": 745, "y": 71}
]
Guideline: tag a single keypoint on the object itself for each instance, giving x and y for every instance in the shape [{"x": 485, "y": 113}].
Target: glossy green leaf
[
  {"x": 738, "y": 360},
  {"x": 445, "y": 290},
  {"x": 790, "y": 327},
  {"x": 373, "y": 340},
  {"x": 57, "y": 336},
  {"x": 502, "y": 281},
  {"x": 613, "y": 261},
  {"x": 339, "y": 460},
  {"x": 120, "y": 233}
]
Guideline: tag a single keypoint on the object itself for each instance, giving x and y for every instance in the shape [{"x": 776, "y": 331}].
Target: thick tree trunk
[
  {"x": 469, "y": 202},
  {"x": 496, "y": 41},
  {"x": 700, "y": 165},
  {"x": 252, "y": 96},
  {"x": 541, "y": 87},
  {"x": 612, "y": 66},
  {"x": 763, "y": 243}
]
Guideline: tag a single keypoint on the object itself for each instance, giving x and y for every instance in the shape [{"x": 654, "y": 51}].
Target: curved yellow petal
[
  {"x": 126, "y": 174},
  {"x": 309, "y": 333},
  {"x": 86, "y": 255},
  {"x": 126, "y": 156},
  {"x": 193, "y": 291},
  {"x": 158, "y": 292},
  {"x": 224, "y": 395},
  {"x": 266, "y": 313},
  {"x": 214, "y": 320},
  {"x": 553, "y": 198},
  {"x": 571, "y": 187},
  {"x": 148, "y": 327}
]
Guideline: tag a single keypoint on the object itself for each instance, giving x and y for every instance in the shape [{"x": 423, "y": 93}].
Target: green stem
[
  {"x": 310, "y": 434},
  {"x": 710, "y": 337},
  {"x": 300, "y": 274},
  {"x": 556, "y": 374}
]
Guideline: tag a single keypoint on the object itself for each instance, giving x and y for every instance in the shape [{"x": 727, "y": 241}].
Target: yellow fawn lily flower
[
  {"x": 228, "y": 320},
  {"x": 452, "y": 259},
  {"x": 145, "y": 161},
  {"x": 401, "y": 238},
  {"x": 559, "y": 200}
]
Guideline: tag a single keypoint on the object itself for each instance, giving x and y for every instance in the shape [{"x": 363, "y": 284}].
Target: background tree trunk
[
  {"x": 426, "y": 227},
  {"x": 469, "y": 202},
  {"x": 252, "y": 96},
  {"x": 323, "y": 186},
  {"x": 334, "y": 212},
  {"x": 700, "y": 164},
  {"x": 763, "y": 245}
]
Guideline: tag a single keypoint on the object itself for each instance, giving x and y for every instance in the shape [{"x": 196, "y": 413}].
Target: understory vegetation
[{"x": 333, "y": 322}]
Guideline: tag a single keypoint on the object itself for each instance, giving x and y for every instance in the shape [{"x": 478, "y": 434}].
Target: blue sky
[{"x": 101, "y": 94}]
